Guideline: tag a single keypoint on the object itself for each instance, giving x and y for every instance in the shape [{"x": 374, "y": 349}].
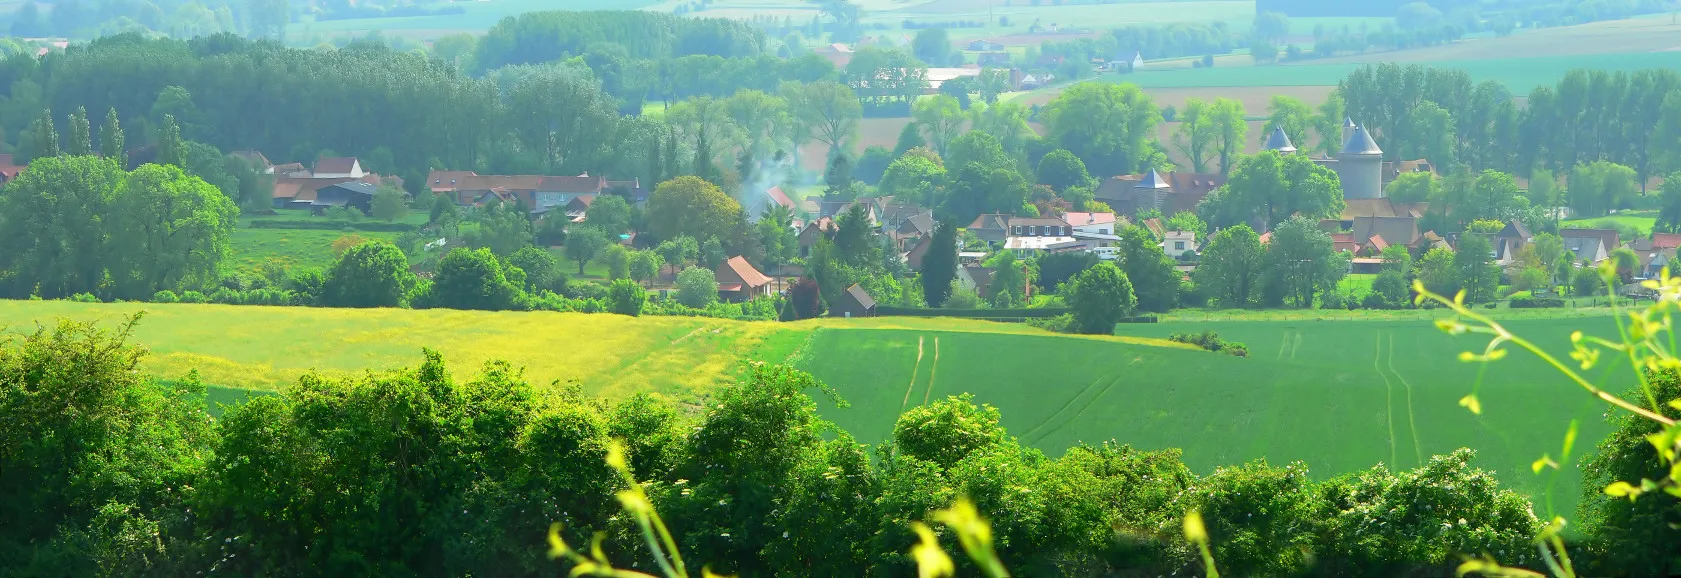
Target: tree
[
  {"x": 45, "y": 143},
  {"x": 712, "y": 253},
  {"x": 939, "y": 265},
  {"x": 1099, "y": 298},
  {"x": 51, "y": 226},
  {"x": 1410, "y": 188},
  {"x": 910, "y": 137},
  {"x": 1301, "y": 262},
  {"x": 171, "y": 149},
  {"x": 111, "y": 139},
  {"x": 1150, "y": 272},
  {"x": 372, "y": 274},
  {"x": 1328, "y": 124},
  {"x": 1598, "y": 187},
  {"x": 625, "y": 297},
  {"x": 1230, "y": 126},
  {"x": 1107, "y": 125},
  {"x": 617, "y": 259},
  {"x": 678, "y": 251},
  {"x": 1061, "y": 170},
  {"x": 837, "y": 179},
  {"x": 805, "y": 299},
  {"x": 1196, "y": 133},
  {"x": 1492, "y": 196},
  {"x": 388, "y": 204},
  {"x": 1273, "y": 26},
  {"x": 584, "y": 244},
  {"x": 609, "y": 212},
  {"x": 697, "y": 287},
  {"x": 1263, "y": 51},
  {"x": 1009, "y": 283},
  {"x": 1291, "y": 114},
  {"x": 1391, "y": 286},
  {"x": 1232, "y": 266},
  {"x": 268, "y": 18},
  {"x": 645, "y": 266},
  {"x": 1473, "y": 260},
  {"x": 79, "y": 141},
  {"x": 940, "y": 115},
  {"x": 503, "y": 228},
  {"x": 1417, "y": 16},
  {"x": 932, "y": 45},
  {"x": 1272, "y": 187},
  {"x": 474, "y": 280},
  {"x": 691, "y": 207},
  {"x": 169, "y": 230},
  {"x": 542, "y": 270},
  {"x": 1669, "y": 204},
  {"x": 913, "y": 179},
  {"x": 976, "y": 147},
  {"x": 1626, "y": 455},
  {"x": 826, "y": 111}
]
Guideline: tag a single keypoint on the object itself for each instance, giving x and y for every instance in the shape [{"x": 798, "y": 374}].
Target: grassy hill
[{"x": 1341, "y": 395}]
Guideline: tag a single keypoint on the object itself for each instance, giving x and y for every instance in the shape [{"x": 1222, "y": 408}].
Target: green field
[
  {"x": 1341, "y": 395},
  {"x": 479, "y": 16},
  {"x": 1518, "y": 74}
]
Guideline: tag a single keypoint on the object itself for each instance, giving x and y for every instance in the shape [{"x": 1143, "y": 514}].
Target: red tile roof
[
  {"x": 737, "y": 269},
  {"x": 335, "y": 165},
  {"x": 779, "y": 197},
  {"x": 1666, "y": 240}
]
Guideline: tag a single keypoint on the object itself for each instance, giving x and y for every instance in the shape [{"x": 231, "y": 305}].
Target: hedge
[
  {"x": 332, "y": 225},
  {"x": 971, "y": 313},
  {"x": 1536, "y": 302}
]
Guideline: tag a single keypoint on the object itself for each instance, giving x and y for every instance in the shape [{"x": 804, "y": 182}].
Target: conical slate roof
[
  {"x": 1280, "y": 142},
  {"x": 1361, "y": 143},
  {"x": 1153, "y": 180},
  {"x": 1348, "y": 122}
]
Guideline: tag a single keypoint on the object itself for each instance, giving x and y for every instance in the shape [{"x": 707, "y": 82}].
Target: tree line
[{"x": 119, "y": 474}]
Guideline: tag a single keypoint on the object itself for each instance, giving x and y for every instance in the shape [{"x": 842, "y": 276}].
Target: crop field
[
  {"x": 479, "y": 16},
  {"x": 297, "y": 247},
  {"x": 1518, "y": 74},
  {"x": 1649, "y": 34},
  {"x": 1341, "y": 396}
]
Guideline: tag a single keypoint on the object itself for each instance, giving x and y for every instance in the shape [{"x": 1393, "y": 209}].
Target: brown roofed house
[
  {"x": 738, "y": 281},
  {"x": 1172, "y": 193},
  {"x": 991, "y": 227},
  {"x": 335, "y": 167},
  {"x": 9, "y": 171}
]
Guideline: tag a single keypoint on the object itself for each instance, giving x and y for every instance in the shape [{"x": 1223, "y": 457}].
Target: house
[
  {"x": 984, "y": 45},
  {"x": 1099, "y": 223},
  {"x": 288, "y": 170},
  {"x": 999, "y": 58},
  {"x": 855, "y": 302},
  {"x": 975, "y": 278},
  {"x": 1036, "y": 234},
  {"x": 256, "y": 160},
  {"x": 632, "y": 190},
  {"x": 1393, "y": 230},
  {"x": 536, "y": 192},
  {"x": 1177, "y": 243},
  {"x": 300, "y": 192},
  {"x": 1590, "y": 245},
  {"x": 913, "y": 257},
  {"x": 837, "y": 54},
  {"x": 338, "y": 167},
  {"x": 1154, "y": 226},
  {"x": 1509, "y": 240},
  {"x": 738, "y": 281},
  {"x": 1172, "y": 193},
  {"x": 813, "y": 232},
  {"x": 1137, "y": 60},
  {"x": 912, "y": 230},
  {"x": 939, "y": 76},
  {"x": 8, "y": 170},
  {"x": 991, "y": 227},
  {"x": 1341, "y": 242},
  {"x": 578, "y": 207},
  {"x": 1666, "y": 240},
  {"x": 345, "y": 195},
  {"x": 774, "y": 197}
]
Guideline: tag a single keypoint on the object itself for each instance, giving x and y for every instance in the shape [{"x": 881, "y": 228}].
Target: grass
[
  {"x": 1341, "y": 395},
  {"x": 299, "y": 248},
  {"x": 1643, "y": 221},
  {"x": 479, "y": 16},
  {"x": 1518, "y": 74}
]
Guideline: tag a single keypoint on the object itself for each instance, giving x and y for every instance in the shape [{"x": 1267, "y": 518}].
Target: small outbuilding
[{"x": 855, "y": 302}]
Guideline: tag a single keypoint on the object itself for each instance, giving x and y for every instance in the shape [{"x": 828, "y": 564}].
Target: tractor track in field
[
  {"x": 1028, "y": 435},
  {"x": 1388, "y": 398},
  {"x": 1083, "y": 408},
  {"x": 915, "y": 369},
  {"x": 933, "y": 366},
  {"x": 1412, "y": 422}
]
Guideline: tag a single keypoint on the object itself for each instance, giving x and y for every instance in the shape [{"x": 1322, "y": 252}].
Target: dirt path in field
[
  {"x": 1388, "y": 398},
  {"x": 914, "y": 369},
  {"x": 1412, "y": 423},
  {"x": 932, "y": 367}
]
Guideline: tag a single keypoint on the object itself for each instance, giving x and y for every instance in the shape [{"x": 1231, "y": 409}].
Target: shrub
[
  {"x": 165, "y": 296},
  {"x": 625, "y": 297},
  {"x": 193, "y": 297},
  {"x": 84, "y": 298},
  {"x": 1211, "y": 341},
  {"x": 697, "y": 287},
  {"x": 1521, "y": 302}
]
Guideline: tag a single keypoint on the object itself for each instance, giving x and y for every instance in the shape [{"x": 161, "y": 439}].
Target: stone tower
[
  {"x": 1360, "y": 166},
  {"x": 1348, "y": 127}
]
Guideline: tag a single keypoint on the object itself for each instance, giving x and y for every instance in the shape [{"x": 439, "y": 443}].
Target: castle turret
[
  {"x": 1360, "y": 166},
  {"x": 1280, "y": 142},
  {"x": 1348, "y": 127},
  {"x": 1153, "y": 187}
]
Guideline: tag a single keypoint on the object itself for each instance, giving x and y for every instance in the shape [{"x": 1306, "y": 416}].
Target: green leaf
[
  {"x": 1544, "y": 462},
  {"x": 1622, "y": 490},
  {"x": 1570, "y": 439}
]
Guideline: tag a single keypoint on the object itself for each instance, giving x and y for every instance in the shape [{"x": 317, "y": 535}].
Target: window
[
  {"x": 1179, "y": 245},
  {"x": 1102, "y": 231},
  {"x": 1018, "y": 230}
]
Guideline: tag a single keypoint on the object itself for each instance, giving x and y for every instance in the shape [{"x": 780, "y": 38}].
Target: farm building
[{"x": 855, "y": 302}]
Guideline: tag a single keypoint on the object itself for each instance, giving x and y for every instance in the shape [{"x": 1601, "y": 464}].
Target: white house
[
  {"x": 1097, "y": 223},
  {"x": 1176, "y": 243},
  {"x": 1137, "y": 60},
  {"x": 338, "y": 168},
  {"x": 1034, "y": 234}
]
